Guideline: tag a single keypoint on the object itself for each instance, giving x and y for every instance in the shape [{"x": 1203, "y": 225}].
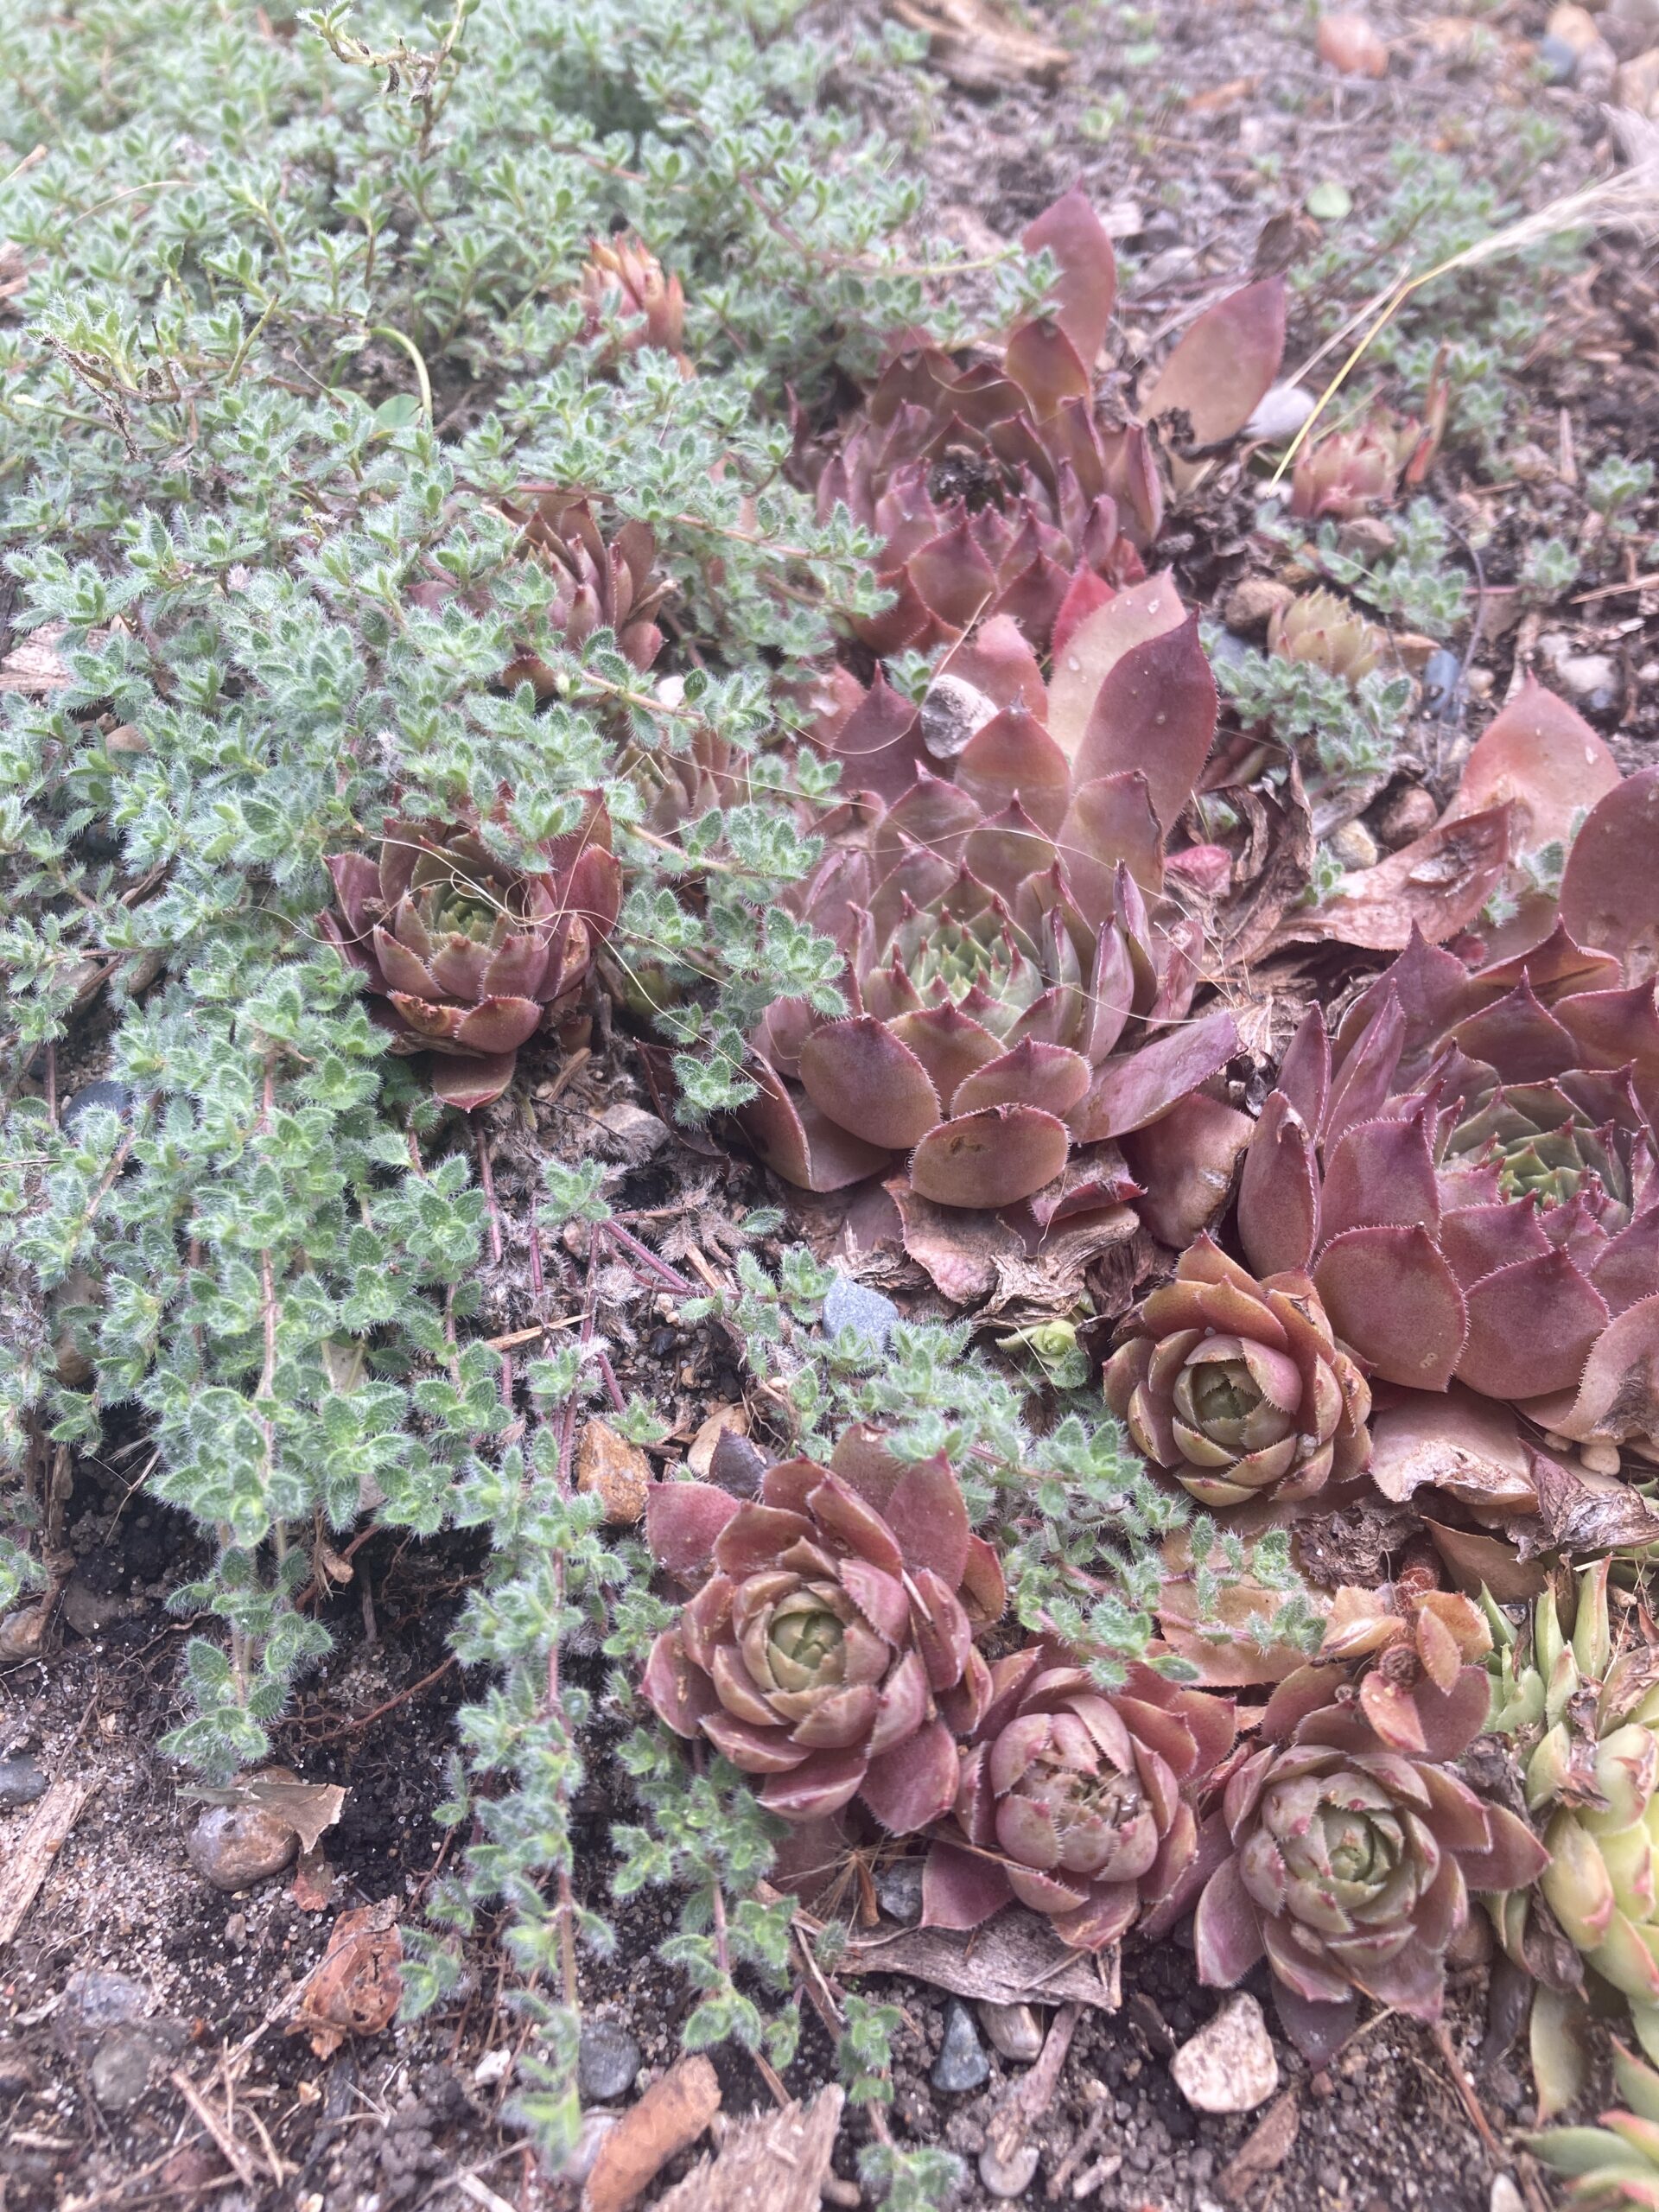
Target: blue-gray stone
[
  {"x": 103, "y": 1096},
  {"x": 852, "y": 1306},
  {"x": 899, "y": 1891},
  {"x": 1442, "y": 674},
  {"x": 962, "y": 2063},
  {"x": 607, "y": 2058},
  {"x": 1226, "y": 645},
  {"x": 1559, "y": 60},
  {"x": 22, "y": 1779}
]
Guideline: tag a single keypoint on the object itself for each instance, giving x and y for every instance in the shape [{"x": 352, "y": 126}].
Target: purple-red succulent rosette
[
  {"x": 1074, "y": 1801},
  {"x": 1351, "y": 1857},
  {"x": 830, "y": 1649},
  {"x": 1022, "y": 952},
  {"x": 1468, "y": 1173},
  {"x": 995, "y": 486},
  {"x": 466, "y": 957},
  {"x": 1236, "y": 1386}
]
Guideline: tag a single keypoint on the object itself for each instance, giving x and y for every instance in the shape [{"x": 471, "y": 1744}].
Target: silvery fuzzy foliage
[{"x": 300, "y": 304}]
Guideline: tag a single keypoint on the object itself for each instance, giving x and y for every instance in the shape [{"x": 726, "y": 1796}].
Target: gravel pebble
[
  {"x": 1014, "y": 2030},
  {"x": 606, "y": 2062},
  {"x": 1228, "y": 2066},
  {"x": 22, "y": 1780},
  {"x": 962, "y": 2063},
  {"x": 1010, "y": 2176},
  {"x": 899, "y": 1891},
  {"x": 865, "y": 1311},
  {"x": 233, "y": 1846}
]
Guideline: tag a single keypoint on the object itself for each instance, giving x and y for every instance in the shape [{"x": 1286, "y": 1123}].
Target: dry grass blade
[{"x": 1627, "y": 200}]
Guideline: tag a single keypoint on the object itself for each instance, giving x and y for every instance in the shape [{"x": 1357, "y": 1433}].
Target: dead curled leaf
[
  {"x": 1016, "y": 1959},
  {"x": 980, "y": 48},
  {"x": 982, "y": 1257},
  {"x": 1437, "y": 884},
  {"x": 307, "y": 1807},
  {"x": 666, "y": 2121},
  {"x": 1263, "y": 2151},
  {"x": 356, "y": 1990}
]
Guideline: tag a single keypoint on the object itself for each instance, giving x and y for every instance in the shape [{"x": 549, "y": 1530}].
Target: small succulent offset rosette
[
  {"x": 1075, "y": 1801},
  {"x": 830, "y": 1650},
  {"x": 466, "y": 955},
  {"x": 1352, "y": 1858},
  {"x": 1236, "y": 1386}
]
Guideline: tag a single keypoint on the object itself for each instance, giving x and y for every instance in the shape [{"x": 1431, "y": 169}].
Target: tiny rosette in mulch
[
  {"x": 1236, "y": 1386},
  {"x": 1468, "y": 1173},
  {"x": 466, "y": 955},
  {"x": 1074, "y": 1801},
  {"x": 830, "y": 1650},
  {"x": 1350, "y": 1858}
]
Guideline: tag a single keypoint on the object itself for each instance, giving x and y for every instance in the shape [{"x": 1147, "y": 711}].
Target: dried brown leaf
[
  {"x": 1016, "y": 1959},
  {"x": 666, "y": 2121},
  {"x": 771, "y": 2162},
  {"x": 307, "y": 1807},
  {"x": 977, "y": 46}
]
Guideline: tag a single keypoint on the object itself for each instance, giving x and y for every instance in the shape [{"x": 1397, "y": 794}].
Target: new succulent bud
[
  {"x": 622, "y": 281},
  {"x": 1320, "y": 628},
  {"x": 1237, "y": 1386},
  {"x": 1343, "y": 474}
]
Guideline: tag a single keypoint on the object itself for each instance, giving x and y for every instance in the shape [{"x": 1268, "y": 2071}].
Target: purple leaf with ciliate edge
[
  {"x": 1279, "y": 1191},
  {"x": 962, "y": 1889},
  {"x": 910, "y": 1787},
  {"x": 1610, "y": 888},
  {"x": 683, "y": 1522},
  {"x": 1531, "y": 1328},
  {"x": 1154, "y": 712},
  {"x": 875, "y": 1086},
  {"x": 991, "y": 1158},
  {"x": 1130, "y": 1092},
  {"x": 1086, "y": 287},
  {"x": 1391, "y": 1296},
  {"x": 1141, "y": 612},
  {"x": 1221, "y": 368}
]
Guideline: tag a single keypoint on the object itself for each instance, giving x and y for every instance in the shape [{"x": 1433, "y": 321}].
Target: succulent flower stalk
[
  {"x": 1587, "y": 1723},
  {"x": 1351, "y": 1860},
  {"x": 1075, "y": 1802},
  {"x": 1238, "y": 1388},
  {"x": 466, "y": 955},
  {"x": 828, "y": 1650},
  {"x": 1614, "y": 2167}
]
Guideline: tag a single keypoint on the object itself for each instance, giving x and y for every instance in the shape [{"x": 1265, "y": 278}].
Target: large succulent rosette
[
  {"x": 465, "y": 955},
  {"x": 1351, "y": 1860},
  {"x": 999, "y": 486},
  {"x": 1468, "y": 1171},
  {"x": 830, "y": 1648},
  {"x": 1238, "y": 1388},
  {"x": 1075, "y": 1802},
  {"x": 1019, "y": 972}
]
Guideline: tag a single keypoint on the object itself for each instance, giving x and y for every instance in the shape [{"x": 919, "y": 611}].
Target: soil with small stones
[{"x": 1231, "y": 125}]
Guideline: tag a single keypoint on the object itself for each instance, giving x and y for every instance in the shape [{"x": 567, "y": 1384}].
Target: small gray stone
[
  {"x": 1014, "y": 2030},
  {"x": 851, "y": 1305},
  {"x": 1009, "y": 2177},
  {"x": 1229, "y": 649},
  {"x": 1559, "y": 60},
  {"x": 89, "y": 1612},
  {"x": 123, "y": 2064},
  {"x": 951, "y": 713},
  {"x": 961, "y": 2064},
  {"x": 1442, "y": 674},
  {"x": 233, "y": 1846},
  {"x": 17, "y": 2074},
  {"x": 899, "y": 1891},
  {"x": 1169, "y": 267},
  {"x": 104, "y": 1097},
  {"x": 633, "y": 1134},
  {"x": 1591, "y": 678},
  {"x": 606, "y": 2061},
  {"x": 595, "y": 2126},
  {"x": 1228, "y": 2066},
  {"x": 22, "y": 1780},
  {"x": 1505, "y": 2197},
  {"x": 96, "y": 1999}
]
